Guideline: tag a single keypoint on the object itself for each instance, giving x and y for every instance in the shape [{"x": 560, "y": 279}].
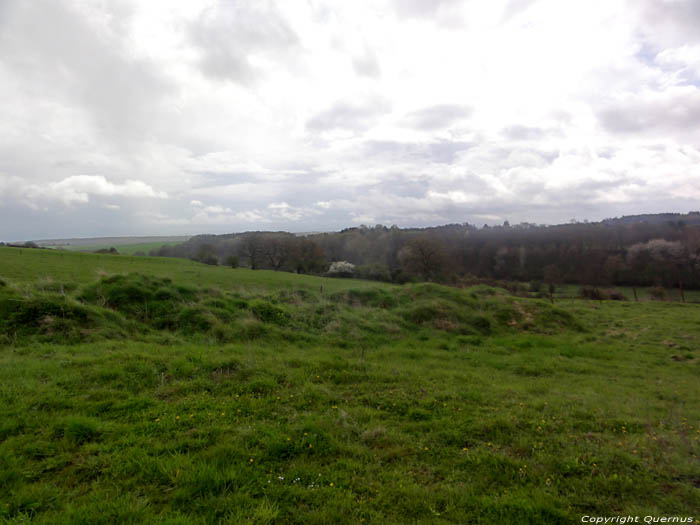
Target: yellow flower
[
  {"x": 331, "y": 484},
  {"x": 251, "y": 460},
  {"x": 426, "y": 448},
  {"x": 310, "y": 445},
  {"x": 465, "y": 449},
  {"x": 488, "y": 444},
  {"x": 177, "y": 417},
  {"x": 157, "y": 420}
]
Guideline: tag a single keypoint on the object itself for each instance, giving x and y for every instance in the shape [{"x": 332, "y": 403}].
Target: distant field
[
  {"x": 153, "y": 390},
  {"x": 28, "y": 265},
  {"x": 124, "y": 249},
  {"x": 673, "y": 294}
]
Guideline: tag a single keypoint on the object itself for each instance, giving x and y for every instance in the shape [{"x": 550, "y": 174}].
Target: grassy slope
[
  {"x": 124, "y": 249},
  {"x": 27, "y": 265},
  {"x": 387, "y": 413}
]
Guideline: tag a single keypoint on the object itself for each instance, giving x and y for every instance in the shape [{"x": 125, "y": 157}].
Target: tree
[
  {"x": 277, "y": 251},
  {"x": 252, "y": 249},
  {"x": 424, "y": 256}
]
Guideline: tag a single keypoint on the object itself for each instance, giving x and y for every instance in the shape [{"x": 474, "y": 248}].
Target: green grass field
[
  {"x": 124, "y": 249},
  {"x": 149, "y": 390}
]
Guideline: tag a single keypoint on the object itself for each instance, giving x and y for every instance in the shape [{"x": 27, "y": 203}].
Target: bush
[
  {"x": 373, "y": 272},
  {"x": 615, "y": 295},
  {"x": 269, "y": 313},
  {"x": 592, "y": 292},
  {"x": 657, "y": 293},
  {"x": 341, "y": 269}
]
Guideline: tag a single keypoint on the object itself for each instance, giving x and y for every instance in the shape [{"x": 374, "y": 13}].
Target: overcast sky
[{"x": 128, "y": 117}]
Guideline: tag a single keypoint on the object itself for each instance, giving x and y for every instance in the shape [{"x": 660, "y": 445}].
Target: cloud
[
  {"x": 234, "y": 37},
  {"x": 366, "y": 64},
  {"x": 675, "y": 110},
  {"x": 79, "y": 188},
  {"x": 349, "y": 115},
  {"x": 442, "y": 152},
  {"x": 422, "y": 8},
  {"x": 274, "y": 213},
  {"x": 62, "y": 53},
  {"x": 518, "y": 132},
  {"x": 438, "y": 116},
  {"x": 669, "y": 22},
  {"x": 309, "y": 115}
]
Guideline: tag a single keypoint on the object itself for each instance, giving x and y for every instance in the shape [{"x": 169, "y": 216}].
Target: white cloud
[{"x": 79, "y": 189}]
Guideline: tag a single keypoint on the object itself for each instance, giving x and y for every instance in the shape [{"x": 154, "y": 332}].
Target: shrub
[
  {"x": 592, "y": 292},
  {"x": 373, "y": 272},
  {"x": 341, "y": 269},
  {"x": 657, "y": 293},
  {"x": 269, "y": 313}
]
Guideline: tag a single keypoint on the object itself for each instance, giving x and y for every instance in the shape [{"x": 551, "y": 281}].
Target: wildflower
[
  {"x": 310, "y": 445},
  {"x": 251, "y": 460},
  {"x": 177, "y": 417},
  {"x": 426, "y": 448},
  {"x": 331, "y": 484},
  {"x": 157, "y": 420},
  {"x": 191, "y": 415},
  {"x": 548, "y": 481},
  {"x": 465, "y": 449},
  {"x": 335, "y": 406},
  {"x": 488, "y": 444},
  {"x": 222, "y": 413}
]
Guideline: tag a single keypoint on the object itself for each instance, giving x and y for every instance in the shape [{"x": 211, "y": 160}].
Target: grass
[
  {"x": 269, "y": 401},
  {"x": 124, "y": 249}
]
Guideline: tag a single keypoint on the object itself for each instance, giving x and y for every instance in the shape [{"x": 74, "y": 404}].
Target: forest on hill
[{"x": 645, "y": 250}]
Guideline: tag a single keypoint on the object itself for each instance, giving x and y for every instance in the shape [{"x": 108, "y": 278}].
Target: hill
[{"x": 138, "y": 389}]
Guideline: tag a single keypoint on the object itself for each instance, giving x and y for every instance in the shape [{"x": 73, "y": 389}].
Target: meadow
[
  {"x": 124, "y": 249},
  {"x": 153, "y": 390}
]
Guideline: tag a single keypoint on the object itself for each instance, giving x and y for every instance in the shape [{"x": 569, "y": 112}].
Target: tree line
[{"x": 648, "y": 250}]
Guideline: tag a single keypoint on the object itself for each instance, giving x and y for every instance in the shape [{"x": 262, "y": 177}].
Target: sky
[{"x": 169, "y": 117}]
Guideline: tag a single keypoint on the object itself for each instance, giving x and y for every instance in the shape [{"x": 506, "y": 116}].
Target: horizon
[
  {"x": 129, "y": 118},
  {"x": 412, "y": 227}
]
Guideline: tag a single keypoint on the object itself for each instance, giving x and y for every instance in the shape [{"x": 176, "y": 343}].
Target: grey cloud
[
  {"x": 56, "y": 54},
  {"x": 367, "y": 65},
  {"x": 421, "y": 8},
  {"x": 515, "y": 7},
  {"x": 229, "y": 33},
  {"x": 669, "y": 23},
  {"x": 442, "y": 152},
  {"x": 354, "y": 116},
  {"x": 439, "y": 116},
  {"x": 523, "y": 133},
  {"x": 678, "y": 113}
]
